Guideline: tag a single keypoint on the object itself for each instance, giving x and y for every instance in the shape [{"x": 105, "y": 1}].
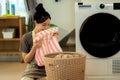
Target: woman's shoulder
[{"x": 27, "y": 35}]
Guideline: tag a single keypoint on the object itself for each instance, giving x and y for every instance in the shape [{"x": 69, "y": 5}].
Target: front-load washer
[{"x": 97, "y": 30}]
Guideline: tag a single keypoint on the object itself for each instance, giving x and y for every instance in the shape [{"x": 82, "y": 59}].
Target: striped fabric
[{"x": 50, "y": 44}]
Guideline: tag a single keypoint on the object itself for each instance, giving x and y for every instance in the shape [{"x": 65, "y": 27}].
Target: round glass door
[{"x": 100, "y": 35}]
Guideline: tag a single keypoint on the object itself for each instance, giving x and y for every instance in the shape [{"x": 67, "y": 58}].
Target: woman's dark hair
[{"x": 41, "y": 15}]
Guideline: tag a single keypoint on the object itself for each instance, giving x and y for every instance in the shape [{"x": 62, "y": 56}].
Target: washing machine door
[{"x": 100, "y": 35}]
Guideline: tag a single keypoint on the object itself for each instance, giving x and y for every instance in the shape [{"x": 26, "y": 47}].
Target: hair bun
[{"x": 40, "y": 8}]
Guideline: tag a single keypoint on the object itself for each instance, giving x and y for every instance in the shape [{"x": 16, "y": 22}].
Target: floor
[{"x": 11, "y": 70}]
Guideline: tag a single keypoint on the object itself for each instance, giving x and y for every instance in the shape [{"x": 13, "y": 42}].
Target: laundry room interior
[{"x": 91, "y": 27}]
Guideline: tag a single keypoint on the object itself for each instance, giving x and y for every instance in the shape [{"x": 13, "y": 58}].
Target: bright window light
[{"x": 20, "y": 8}]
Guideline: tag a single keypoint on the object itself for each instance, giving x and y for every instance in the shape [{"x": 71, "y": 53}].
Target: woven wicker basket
[{"x": 65, "y": 66}]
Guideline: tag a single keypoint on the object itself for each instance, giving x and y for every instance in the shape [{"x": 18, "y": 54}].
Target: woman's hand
[
  {"x": 56, "y": 34},
  {"x": 37, "y": 44}
]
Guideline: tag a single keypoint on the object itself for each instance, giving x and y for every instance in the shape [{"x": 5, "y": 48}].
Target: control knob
[{"x": 102, "y": 6}]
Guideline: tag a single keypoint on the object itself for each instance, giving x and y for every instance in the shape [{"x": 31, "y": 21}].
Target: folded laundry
[{"x": 50, "y": 44}]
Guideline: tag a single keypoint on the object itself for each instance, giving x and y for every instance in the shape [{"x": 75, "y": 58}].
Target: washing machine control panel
[{"x": 114, "y": 6}]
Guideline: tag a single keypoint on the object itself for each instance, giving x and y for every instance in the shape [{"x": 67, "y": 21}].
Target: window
[{"x": 20, "y": 8}]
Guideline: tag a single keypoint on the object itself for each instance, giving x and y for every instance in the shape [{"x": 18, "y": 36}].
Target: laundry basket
[{"x": 65, "y": 66}]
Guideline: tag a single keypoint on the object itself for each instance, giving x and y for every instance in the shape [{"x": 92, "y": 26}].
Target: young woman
[{"x": 28, "y": 48}]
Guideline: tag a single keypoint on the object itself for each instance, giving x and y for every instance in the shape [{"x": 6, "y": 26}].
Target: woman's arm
[{"x": 29, "y": 56}]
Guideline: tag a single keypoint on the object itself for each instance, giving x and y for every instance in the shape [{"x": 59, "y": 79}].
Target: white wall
[{"x": 62, "y": 14}]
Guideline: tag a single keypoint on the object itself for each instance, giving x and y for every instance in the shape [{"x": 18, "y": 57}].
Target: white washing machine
[{"x": 97, "y": 26}]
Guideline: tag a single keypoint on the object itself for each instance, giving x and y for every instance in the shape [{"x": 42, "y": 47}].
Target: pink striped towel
[{"x": 50, "y": 44}]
